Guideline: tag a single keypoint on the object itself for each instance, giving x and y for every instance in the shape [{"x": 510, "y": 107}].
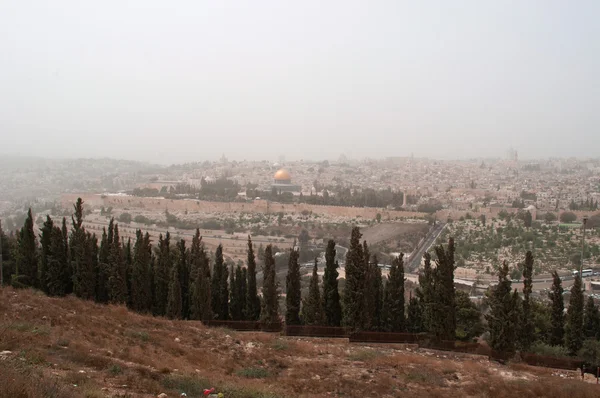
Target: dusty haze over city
[{"x": 171, "y": 83}]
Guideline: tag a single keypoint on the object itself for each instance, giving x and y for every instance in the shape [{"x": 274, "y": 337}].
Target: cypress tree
[
  {"x": 500, "y": 316},
  {"x": 393, "y": 302},
  {"x": 591, "y": 320},
  {"x": 57, "y": 265},
  {"x": 425, "y": 293},
  {"x": 331, "y": 295},
  {"x": 128, "y": 256},
  {"x": 68, "y": 274},
  {"x": 293, "y": 289},
  {"x": 219, "y": 289},
  {"x": 237, "y": 298},
  {"x": 527, "y": 329},
  {"x": 468, "y": 317},
  {"x": 557, "y": 330},
  {"x": 174, "y": 305},
  {"x": 200, "y": 300},
  {"x": 355, "y": 283},
  {"x": 184, "y": 278},
  {"x": 253, "y": 305},
  {"x": 373, "y": 294},
  {"x": 414, "y": 318},
  {"x": 234, "y": 303},
  {"x": 243, "y": 291},
  {"x": 117, "y": 280},
  {"x": 102, "y": 272},
  {"x": 443, "y": 321},
  {"x": 88, "y": 273},
  {"x": 26, "y": 273},
  {"x": 162, "y": 274},
  {"x": 312, "y": 306},
  {"x": 270, "y": 309},
  {"x": 574, "y": 321},
  {"x": 78, "y": 248},
  {"x": 141, "y": 284},
  {"x": 45, "y": 239}
]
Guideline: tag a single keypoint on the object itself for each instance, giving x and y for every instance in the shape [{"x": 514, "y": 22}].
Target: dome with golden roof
[{"x": 282, "y": 175}]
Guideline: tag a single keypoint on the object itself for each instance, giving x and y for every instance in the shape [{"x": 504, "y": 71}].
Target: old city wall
[{"x": 257, "y": 206}]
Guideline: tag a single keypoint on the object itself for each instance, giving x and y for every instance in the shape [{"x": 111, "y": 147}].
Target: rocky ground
[{"x": 65, "y": 347}]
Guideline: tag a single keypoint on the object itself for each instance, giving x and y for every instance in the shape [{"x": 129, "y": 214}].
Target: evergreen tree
[
  {"x": 184, "y": 278},
  {"x": 354, "y": 293},
  {"x": 591, "y": 320},
  {"x": 57, "y": 271},
  {"x": 526, "y": 328},
  {"x": 312, "y": 306},
  {"x": 252, "y": 301},
  {"x": 243, "y": 291},
  {"x": 425, "y": 293},
  {"x": 574, "y": 321},
  {"x": 174, "y": 305},
  {"x": 393, "y": 301},
  {"x": 233, "y": 299},
  {"x": 219, "y": 288},
  {"x": 373, "y": 294},
  {"x": 237, "y": 295},
  {"x": 26, "y": 273},
  {"x": 117, "y": 281},
  {"x": 468, "y": 318},
  {"x": 270, "y": 308},
  {"x": 80, "y": 264},
  {"x": 128, "y": 256},
  {"x": 45, "y": 238},
  {"x": 293, "y": 289},
  {"x": 501, "y": 316},
  {"x": 557, "y": 330},
  {"x": 88, "y": 272},
  {"x": 162, "y": 274},
  {"x": 141, "y": 284},
  {"x": 443, "y": 320},
  {"x": 200, "y": 307},
  {"x": 331, "y": 294},
  {"x": 68, "y": 274},
  {"x": 102, "y": 272},
  {"x": 414, "y": 318}
]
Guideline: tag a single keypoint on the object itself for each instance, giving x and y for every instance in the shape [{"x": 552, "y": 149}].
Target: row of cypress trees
[{"x": 170, "y": 280}]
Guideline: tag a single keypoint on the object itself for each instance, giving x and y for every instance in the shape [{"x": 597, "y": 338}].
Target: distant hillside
[{"x": 59, "y": 348}]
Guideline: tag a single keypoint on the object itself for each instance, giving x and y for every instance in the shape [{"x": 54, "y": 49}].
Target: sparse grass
[
  {"x": 115, "y": 370},
  {"x": 136, "y": 334},
  {"x": 185, "y": 384},
  {"x": 280, "y": 345},
  {"x": 425, "y": 376},
  {"x": 253, "y": 373},
  {"x": 364, "y": 355}
]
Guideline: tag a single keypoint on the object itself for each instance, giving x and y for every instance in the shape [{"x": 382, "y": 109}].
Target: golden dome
[{"x": 282, "y": 175}]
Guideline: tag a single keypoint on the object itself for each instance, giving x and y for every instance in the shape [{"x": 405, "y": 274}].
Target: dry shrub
[{"x": 19, "y": 381}]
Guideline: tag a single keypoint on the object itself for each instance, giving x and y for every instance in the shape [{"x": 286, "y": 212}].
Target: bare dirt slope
[{"x": 65, "y": 347}]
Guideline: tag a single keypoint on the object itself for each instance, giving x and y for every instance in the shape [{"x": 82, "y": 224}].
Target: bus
[{"x": 584, "y": 273}]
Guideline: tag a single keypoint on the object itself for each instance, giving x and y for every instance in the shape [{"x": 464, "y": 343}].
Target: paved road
[{"x": 414, "y": 261}]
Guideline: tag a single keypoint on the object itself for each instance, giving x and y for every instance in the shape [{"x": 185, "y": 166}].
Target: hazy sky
[{"x": 174, "y": 81}]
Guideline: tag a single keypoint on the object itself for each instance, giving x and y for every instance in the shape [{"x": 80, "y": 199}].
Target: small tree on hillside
[
  {"x": 557, "y": 331},
  {"x": 162, "y": 274},
  {"x": 293, "y": 289},
  {"x": 174, "y": 305},
  {"x": 574, "y": 324},
  {"x": 591, "y": 320},
  {"x": 501, "y": 315},
  {"x": 270, "y": 308},
  {"x": 526, "y": 335},
  {"x": 393, "y": 299},
  {"x": 354, "y": 292},
  {"x": 312, "y": 306},
  {"x": 252, "y": 300},
  {"x": 331, "y": 295}
]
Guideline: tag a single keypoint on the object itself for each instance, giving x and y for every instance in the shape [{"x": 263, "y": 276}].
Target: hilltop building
[{"x": 282, "y": 182}]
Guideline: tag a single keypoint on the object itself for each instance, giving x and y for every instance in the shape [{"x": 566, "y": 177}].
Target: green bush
[
  {"x": 548, "y": 350},
  {"x": 253, "y": 373}
]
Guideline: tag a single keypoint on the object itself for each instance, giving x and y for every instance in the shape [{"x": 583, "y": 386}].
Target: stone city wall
[{"x": 257, "y": 206}]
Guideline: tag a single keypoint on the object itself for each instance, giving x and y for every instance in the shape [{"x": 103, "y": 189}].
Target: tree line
[{"x": 179, "y": 282}]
